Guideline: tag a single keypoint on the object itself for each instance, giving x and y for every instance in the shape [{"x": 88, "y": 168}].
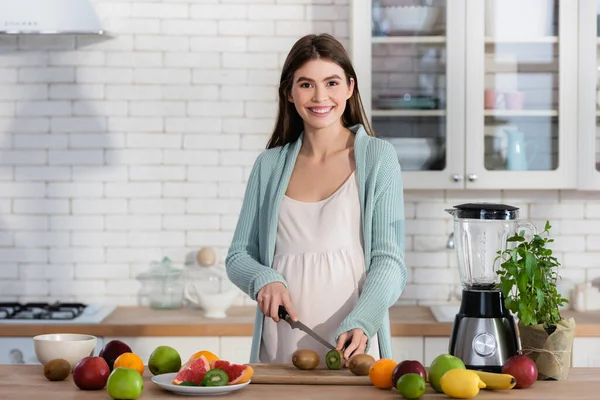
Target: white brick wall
[{"x": 118, "y": 151}]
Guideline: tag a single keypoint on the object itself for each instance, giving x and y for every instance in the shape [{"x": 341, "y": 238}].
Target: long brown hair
[{"x": 289, "y": 124}]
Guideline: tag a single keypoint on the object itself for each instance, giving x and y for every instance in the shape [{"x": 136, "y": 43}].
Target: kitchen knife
[{"x": 283, "y": 314}]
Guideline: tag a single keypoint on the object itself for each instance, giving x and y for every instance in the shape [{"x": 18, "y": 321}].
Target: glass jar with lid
[{"x": 162, "y": 286}]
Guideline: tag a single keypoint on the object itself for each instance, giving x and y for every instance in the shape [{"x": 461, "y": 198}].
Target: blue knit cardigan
[{"x": 250, "y": 258}]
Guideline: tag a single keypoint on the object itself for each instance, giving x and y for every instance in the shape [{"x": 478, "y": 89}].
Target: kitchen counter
[
  {"x": 142, "y": 321},
  {"x": 27, "y": 381}
]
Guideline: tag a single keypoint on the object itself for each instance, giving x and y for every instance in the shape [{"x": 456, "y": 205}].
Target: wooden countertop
[
  {"x": 27, "y": 381},
  {"x": 143, "y": 321}
]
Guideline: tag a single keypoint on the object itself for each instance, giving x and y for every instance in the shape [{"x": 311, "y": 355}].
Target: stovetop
[
  {"x": 41, "y": 310},
  {"x": 28, "y": 313}
]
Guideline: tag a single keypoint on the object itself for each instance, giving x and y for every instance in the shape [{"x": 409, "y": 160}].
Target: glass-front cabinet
[
  {"x": 589, "y": 95},
  {"x": 472, "y": 93}
]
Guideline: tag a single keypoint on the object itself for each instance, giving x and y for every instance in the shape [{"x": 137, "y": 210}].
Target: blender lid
[{"x": 486, "y": 211}]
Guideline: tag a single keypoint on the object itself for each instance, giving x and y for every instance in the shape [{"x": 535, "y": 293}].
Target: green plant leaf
[
  {"x": 506, "y": 285},
  {"x": 540, "y": 298},
  {"x": 522, "y": 281},
  {"x": 530, "y": 265}
]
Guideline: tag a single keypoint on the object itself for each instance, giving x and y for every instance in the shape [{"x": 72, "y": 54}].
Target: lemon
[
  {"x": 411, "y": 386},
  {"x": 461, "y": 383},
  {"x": 163, "y": 360}
]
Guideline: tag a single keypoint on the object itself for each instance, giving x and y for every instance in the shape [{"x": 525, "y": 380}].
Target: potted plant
[{"x": 528, "y": 276}]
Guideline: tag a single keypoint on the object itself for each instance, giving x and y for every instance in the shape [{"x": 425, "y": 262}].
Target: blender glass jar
[{"x": 481, "y": 230}]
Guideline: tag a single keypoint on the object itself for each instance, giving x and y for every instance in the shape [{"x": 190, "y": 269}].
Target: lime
[
  {"x": 124, "y": 383},
  {"x": 411, "y": 386},
  {"x": 163, "y": 360}
]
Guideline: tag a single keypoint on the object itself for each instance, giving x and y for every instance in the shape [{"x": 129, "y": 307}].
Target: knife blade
[{"x": 283, "y": 314}]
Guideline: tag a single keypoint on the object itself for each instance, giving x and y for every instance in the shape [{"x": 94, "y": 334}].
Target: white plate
[{"x": 164, "y": 382}]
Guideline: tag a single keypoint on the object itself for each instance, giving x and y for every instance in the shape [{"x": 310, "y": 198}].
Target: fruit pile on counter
[
  {"x": 118, "y": 369},
  {"x": 447, "y": 374}
]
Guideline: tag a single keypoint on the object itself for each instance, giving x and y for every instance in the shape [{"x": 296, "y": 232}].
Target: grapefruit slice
[
  {"x": 237, "y": 373},
  {"x": 192, "y": 371}
]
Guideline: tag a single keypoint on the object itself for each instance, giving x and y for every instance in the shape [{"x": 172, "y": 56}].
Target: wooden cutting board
[{"x": 287, "y": 374}]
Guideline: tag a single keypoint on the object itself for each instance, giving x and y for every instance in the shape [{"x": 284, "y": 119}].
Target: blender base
[{"x": 484, "y": 335}]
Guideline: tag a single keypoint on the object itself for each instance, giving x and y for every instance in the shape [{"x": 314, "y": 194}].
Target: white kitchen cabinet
[
  {"x": 434, "y": 346},
  {"x": 482, "y": 95},
  {"x": 235, "y": 349},
  {"x": 407, "y": 348},
  {"x": 185, "y": 345},
  {"x": 586, "y": 352},
  {"x": 589, "y": 96}
]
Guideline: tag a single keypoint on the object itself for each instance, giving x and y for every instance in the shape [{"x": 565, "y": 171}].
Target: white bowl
[
  {"x": 69, "y": 346},
  {"x": 411, "y": 18}
]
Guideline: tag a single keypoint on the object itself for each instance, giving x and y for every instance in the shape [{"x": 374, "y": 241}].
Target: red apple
[
  {"x": 408, "y": 366},
  {"x": 91, "y": 373},
  {"x": 112, "y": 350},
  {"x": 523, "y": 369}
]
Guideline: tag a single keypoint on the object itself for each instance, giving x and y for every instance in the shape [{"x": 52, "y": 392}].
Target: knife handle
[{"x": 282, "y": 313}]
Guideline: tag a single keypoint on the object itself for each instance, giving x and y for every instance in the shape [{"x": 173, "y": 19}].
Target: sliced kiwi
[
  {"x": 359, "y": 364},
  {"x": 215, "y": 377},
  {"x": 334, "y": 359},
  {"x": 188, "y": 383},
  {"x": 305, "y": 359},
  {"x": 57, "y": 369}
]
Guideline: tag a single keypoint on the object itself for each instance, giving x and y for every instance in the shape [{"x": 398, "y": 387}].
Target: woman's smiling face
[{"x": 319, "y": 92}]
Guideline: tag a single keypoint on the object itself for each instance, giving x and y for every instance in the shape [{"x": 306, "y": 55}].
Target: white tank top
[{"x": 319, "y": 252}]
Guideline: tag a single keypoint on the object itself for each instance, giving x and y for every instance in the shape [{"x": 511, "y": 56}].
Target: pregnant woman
[{"x": 321, "y": 229}]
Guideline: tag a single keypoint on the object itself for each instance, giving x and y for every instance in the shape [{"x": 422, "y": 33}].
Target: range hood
[{"x": 38, "y": 17}]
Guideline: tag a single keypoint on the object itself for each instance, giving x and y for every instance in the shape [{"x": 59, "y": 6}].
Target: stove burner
[{"x": 55, "y": 311}]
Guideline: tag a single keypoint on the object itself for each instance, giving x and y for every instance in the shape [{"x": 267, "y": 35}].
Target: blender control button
[{"x": 484, "y": 344}]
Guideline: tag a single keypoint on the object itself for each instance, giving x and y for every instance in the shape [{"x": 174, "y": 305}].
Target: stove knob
[
  {"x": 16, "y": 356},
  {"x": 484, "y": 344}
]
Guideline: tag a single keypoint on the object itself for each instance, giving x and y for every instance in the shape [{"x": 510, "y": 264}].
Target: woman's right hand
[{"x": 273, "y": 295}]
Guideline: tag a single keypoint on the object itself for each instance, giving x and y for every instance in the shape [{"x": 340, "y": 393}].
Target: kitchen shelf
[
  {"x": 520, "y": 113},
  {"x": 408, "y": 39},
  {"x": 409, "y": 113},
  {"x": 525, "y": 40}
]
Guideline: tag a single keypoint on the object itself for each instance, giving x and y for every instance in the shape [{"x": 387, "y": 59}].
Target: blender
[{"x": 484, "y": 334}]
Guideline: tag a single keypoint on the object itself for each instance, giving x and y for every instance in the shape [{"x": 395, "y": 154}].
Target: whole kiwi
[
  {"x": 360, "y": 363},
  {"x": 334, "y": 359},
  {"x": 305, "y": 359},
  {"x": 57, "y": 369}
]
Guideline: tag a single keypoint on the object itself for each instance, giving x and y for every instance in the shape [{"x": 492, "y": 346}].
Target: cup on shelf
[
  {"x": 493, "y": 99},
  {"x": 514, "y": 100}
]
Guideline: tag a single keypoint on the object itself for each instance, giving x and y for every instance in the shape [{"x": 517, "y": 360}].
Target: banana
[{"x": 496, "y": 381}]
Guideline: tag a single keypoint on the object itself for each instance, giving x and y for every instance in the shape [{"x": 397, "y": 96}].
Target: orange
[
  {"x": 381, "y": 372},
  {"x": 207, "y": 354},
  {"x": 131, "y": 361}
]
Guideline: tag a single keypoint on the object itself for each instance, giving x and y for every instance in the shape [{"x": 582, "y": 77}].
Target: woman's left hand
[{"x": 358, "y": 343}]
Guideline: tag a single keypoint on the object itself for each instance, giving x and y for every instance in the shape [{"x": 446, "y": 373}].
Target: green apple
[
  {"x": 125, "y": 384},
  {"x": 439, "y": 366}
]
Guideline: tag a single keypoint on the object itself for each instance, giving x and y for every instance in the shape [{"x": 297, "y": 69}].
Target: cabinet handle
[
  {"x": 472, "y": 177},
  {"x": 457, "y": 177}
]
